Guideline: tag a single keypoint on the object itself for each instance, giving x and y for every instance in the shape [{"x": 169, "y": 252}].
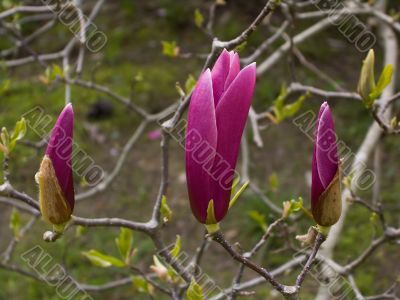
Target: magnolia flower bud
[
  {"x": 56, "y": 190},
  {"x": 217, "y": 115},
  {"x": 366, "y": 83},
  {"x": 326, "y": 203}
]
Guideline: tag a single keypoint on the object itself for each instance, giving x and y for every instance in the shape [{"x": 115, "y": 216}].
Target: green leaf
[
  {"x": 173, "y": 275},
  {"x": 5, "y": 137},
  {"x": 57, "y": 71},
  {"x": 5, "y": 86},
  {"x": 53, "y": 72},
  {"x": 15, "y": 222},
  {"x": 194, "y": 292},
  {"x": 210, "y": 219},
  {"x": 124, "y": 243},
  {"x": 177, "y": 247},
  {"x": 141, "y": 285},
  {"x": 291, "y": 109},
  {"x": 279, "y": 102},
  {"x": 102, "y": 260},
  {"x": 273, "y": 181},
  {"x": 170, "y": 48},
  {"x": 235, "y": 182},
  {"x": 241, "y": 47},
  {"x": 18, "y": 133},
  {"x": 292, "y": 206},
  {"x": 166, "y": 212},
  {"x": 383, "y": 82},
  {"x": 79, "y": 231},
  {"x": 190, "y": 84},
  {"x": 237, "y": 195},
  {"x": 283, "y": 111},
  {"x": 258, "y": 218},
  {"x": 374, "y": 218},
  {"x": 296, "y": 205},
  {"x": 198, "y": 18}
]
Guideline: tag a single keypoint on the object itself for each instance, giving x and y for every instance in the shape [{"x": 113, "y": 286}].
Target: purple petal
[
  {"x": 234, "y": 69},
  {"x": 200, "y": 145},
  {"x": 231, "y": 116},
  {"x": 326, "y": 152},
  {"x": 59, "y": 150},
  {"x": 317, "y": 187},
  {"x": 325, "y": 160},
  {"x": 219, "y": 74}
]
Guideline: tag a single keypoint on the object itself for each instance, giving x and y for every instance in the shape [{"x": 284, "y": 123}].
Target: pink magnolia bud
[
  {"x": 326, "y": 201},
  {"x": 217, "y": 115},
  {"x": 56, "y": 188}
]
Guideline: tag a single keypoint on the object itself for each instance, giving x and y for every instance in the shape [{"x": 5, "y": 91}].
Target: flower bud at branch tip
[
  {"x": 56, "y": 190},
  {"x": 326, "y": 203},
  {"x": 217, "y": 115}
]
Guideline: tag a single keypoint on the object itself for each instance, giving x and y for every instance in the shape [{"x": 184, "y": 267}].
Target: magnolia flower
[
  {"x": 326, "y": 201},
  {"x": 217, "y": 115},
  {"x": 56, "y": 189}
]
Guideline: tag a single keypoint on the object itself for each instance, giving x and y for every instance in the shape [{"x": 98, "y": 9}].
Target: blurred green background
[{"x": 132, "y": 63}]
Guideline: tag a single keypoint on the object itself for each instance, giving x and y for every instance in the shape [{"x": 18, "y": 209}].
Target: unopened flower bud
[
  {"x": 326, "y": 203},
  {"x": 56, "y": 189}
]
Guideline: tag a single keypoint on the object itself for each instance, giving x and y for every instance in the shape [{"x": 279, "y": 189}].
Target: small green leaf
[
  {"x": 291, "y": 109},
  {"x": 198, "y": 18},
  {"x": 241, "y": 47},
  {"x": 5, "y": 137},
  {"x": 15, "y": 222},
  {"x": 273, "y": 181},
  {"x": 141, "y": 285},
  {"x": 296, "y": 205},
  {"x": 194, "y": 292},
  {"x": 283, "y": 111},
  {"x": 373, "y": 218},
  {"x": 166, "y": 212},
  {"x": 124, "y": 243},
  {"x": 292, "y": 206},
  {"x": 57, "y": 71},
  {"x": 258, "y": 218},
  {"x": 237, "y": 195},
  {"x": 170, "y": 48},
  {"x": 53, "y": 72},
  {"x": 179, "y": 89},
  {"x": 102, "y": 260},
  {"x": 5, "y": 86},
  {"x": 177, "y": 247},
  {"x": 211, "y": 213},
  {"x": 235, "y": 182},
  {"x": 79, "y": 231},
  {"x": 383, "y": 82},
  {"x": 18, "y": 133},
  {"x": 278, "y": 104},
  {"x": 190, "y": 84}
]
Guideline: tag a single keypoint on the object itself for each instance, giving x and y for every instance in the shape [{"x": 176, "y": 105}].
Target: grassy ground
[{"x": 134, "y": 48}]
